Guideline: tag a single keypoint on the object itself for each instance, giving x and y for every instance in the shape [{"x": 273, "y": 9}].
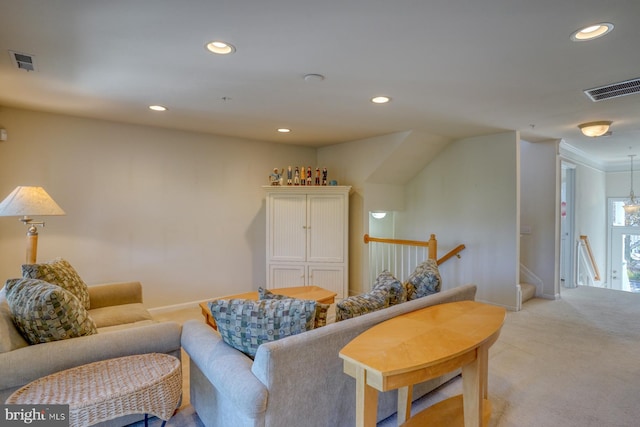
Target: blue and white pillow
[
  {"x": 396, "y": 291},
  {"x": 425, "y": 280},
  {"x": 322, "y": 310},
  {"x": 245, "y": 324}
]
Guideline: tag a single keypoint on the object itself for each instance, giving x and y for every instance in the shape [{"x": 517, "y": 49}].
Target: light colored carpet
[{"x": 574, "y": 362}]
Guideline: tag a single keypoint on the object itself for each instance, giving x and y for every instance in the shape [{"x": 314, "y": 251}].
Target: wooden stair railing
[
  {"x": 431, "y": 244},
  {"x": 592, "y": 259}
]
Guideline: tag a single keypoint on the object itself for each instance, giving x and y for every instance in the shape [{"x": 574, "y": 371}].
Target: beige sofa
[
  {"x": 125, "y": 327},
  {"x": 295, "y": 381}
]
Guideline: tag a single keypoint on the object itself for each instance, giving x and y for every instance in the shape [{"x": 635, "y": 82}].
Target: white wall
[
  {"x": 618, "y": 184},
  {"x": 591, "y": 212},
  {"x": 181, "y": 212},
  {"x": 469, "y": 194},
  {"x": 538, "y": 212}
]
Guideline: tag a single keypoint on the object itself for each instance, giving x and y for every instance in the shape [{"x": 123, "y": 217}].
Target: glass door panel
[{"x": 625, "y": 259}]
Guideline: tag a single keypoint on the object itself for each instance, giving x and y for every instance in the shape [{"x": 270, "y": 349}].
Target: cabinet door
[
  {"x": 286, "y": 275},
  {"x": 288, "y": 228},
  {"x": 328, "y": 277},
  {"x": 326, "y": 228}
]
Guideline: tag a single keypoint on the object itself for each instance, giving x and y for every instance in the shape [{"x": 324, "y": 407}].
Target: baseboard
[
  {"x": 174, "y": 307},
  {"x": 506, "y": 306}
]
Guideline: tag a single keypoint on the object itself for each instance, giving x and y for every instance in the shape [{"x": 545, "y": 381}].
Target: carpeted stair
[{"x": 528, "y": 291}]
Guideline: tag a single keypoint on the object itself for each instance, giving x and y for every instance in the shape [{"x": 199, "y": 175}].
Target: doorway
[{"x": 567, "y": 226}]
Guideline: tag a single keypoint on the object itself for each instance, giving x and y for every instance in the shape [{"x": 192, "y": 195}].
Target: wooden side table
[
  {"x": 424, "y": 344},
  {"x": 315, "y": 293},
  {"x": 140, "y": 384}
]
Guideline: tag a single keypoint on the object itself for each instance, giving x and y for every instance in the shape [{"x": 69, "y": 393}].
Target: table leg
[
  {"x": 405, "y": 396},
  {"x": 483, "y": 361},
  {"x": 472, "y": 393},
  {"x": 366, "y": 400}
]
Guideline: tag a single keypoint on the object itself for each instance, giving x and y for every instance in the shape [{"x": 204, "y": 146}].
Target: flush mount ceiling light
[
  {"x": 157, "y": 107},
  {"x": 592, "y": 32},
  {"x": 378, "y": 215},
  {"x": 284, "y": 130},
  {"x": 380, "y": 99},
  {"x": 220, "y": 48},
  {"x": 595, "y": 129}
]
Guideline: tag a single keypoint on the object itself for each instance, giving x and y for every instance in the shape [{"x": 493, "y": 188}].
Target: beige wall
[
  {"x": 181, "y": 212},
  {"x": 469, "y": 195},
  {"x": 184, "y": 212}
]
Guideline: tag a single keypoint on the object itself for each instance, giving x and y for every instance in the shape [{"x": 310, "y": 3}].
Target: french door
[{"x": 624, "y": 250}]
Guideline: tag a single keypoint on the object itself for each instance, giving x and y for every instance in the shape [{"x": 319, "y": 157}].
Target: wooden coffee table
[
  {"x": 420, "y": 345},
  {"x": 314, "y": 293}
]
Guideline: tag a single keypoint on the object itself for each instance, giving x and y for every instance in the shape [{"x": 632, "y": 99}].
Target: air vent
[
  {"x": 614, "y": 90},
  {"x": 23, "y": 61}
]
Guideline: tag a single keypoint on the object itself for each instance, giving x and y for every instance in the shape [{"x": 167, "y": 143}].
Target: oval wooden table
[{"x": 424, "y": 344}]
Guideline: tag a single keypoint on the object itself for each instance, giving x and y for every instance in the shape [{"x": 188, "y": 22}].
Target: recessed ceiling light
[
  {"x": 284, "y": 130},
  {"x": 157, "y": 108},
  {"x": 313, "y": 77},
  {"x": 592, "y": 32},
  {"x": 380, "y": 99},
  {"x": 220, "y": 48}
]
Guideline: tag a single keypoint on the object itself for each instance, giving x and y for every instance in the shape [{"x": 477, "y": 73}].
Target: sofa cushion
[
  {"x": 44, "y": 312},
  {"x": 397, "y": 292},
  {"x": 358, "y": 305},
  {"x": 119, "y": 315},
  {"x": 59, "y": 272},
  {"x": 322, "y": 310},
  {"x": 425, "y": 280},
  {"x": 10, "y": 338},
  {"x": 245, "y": 324}
]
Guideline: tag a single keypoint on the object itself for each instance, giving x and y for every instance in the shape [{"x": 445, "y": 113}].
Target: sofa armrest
[
  {"x": 228, "y": 370},
  {"x": 109, "y": 294},
  {"x": 26, "y": 364}
]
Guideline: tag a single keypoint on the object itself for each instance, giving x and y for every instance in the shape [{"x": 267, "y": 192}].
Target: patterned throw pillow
[
  {"x": 44, "y": 312},
  {"x": 245, "y": 324},
  {"x": 358, "y": 305},
  {"x": 425, "y": 280},
  {"x": 397, "y": 292},
  {"x": 322, "y": 310},
  {"x": 59, "y": 272}
]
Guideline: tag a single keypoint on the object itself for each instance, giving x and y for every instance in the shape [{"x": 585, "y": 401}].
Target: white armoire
[{"x": 307, "y": 237}]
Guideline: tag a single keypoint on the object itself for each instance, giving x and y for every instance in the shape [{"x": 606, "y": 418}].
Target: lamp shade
[
  {"x": 28, "y": 201},
  {"x": 595, "y": 129}
]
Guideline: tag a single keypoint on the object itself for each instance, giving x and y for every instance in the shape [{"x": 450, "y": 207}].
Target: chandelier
[{"x": 631, "y": 205}]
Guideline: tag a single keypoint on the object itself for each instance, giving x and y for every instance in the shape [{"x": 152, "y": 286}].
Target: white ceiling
[{"x": 455, "y": 68}]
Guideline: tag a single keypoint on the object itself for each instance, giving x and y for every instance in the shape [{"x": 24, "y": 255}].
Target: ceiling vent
[
  {"x": 614, "y": 90},
  {"x": 23, "y": 61}
]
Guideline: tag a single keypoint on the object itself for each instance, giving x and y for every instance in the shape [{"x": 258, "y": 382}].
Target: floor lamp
[{"x": 26, "y": 202}]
